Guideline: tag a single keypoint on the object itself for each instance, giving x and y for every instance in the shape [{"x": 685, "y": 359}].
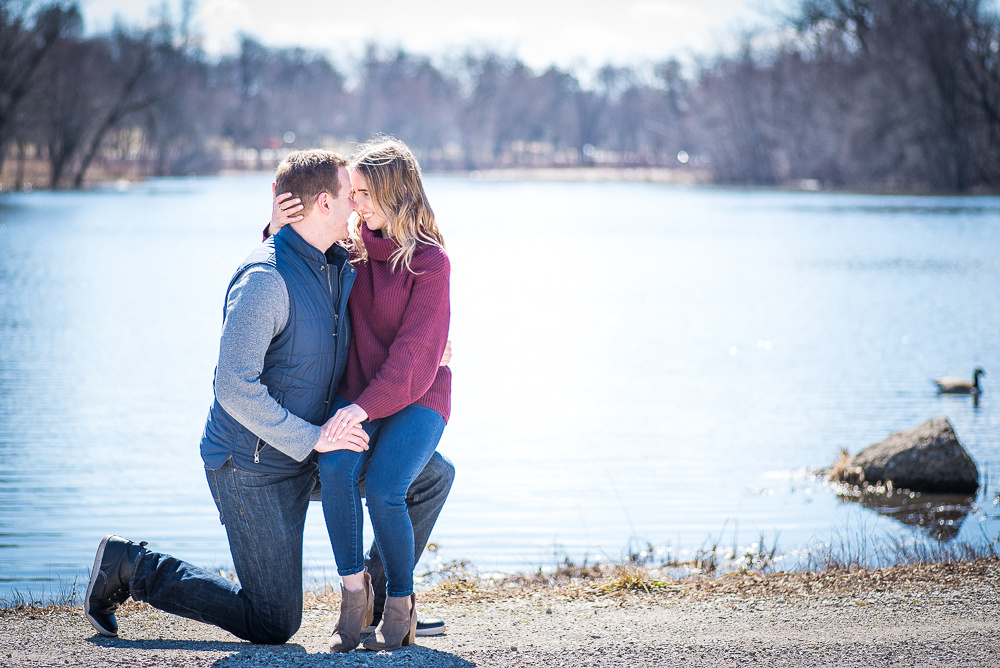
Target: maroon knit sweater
[{"x": 399, "y": 329}]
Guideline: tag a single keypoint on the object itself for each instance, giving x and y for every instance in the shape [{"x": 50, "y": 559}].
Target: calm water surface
[{"x": 633, "y": 363}]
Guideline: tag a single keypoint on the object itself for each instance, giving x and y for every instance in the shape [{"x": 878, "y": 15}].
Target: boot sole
[
  {"x": 90, "y": 589},
  {"x": 433, "y": 631},
  {"x": 420, "y": 633}
]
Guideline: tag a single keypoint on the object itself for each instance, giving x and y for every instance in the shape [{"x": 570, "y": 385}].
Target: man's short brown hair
[{"x": 306, "y": 174}]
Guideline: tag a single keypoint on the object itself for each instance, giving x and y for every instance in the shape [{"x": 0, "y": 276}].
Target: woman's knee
[
  {"x": 338, "y": 467},
  {"x": 383, "y": 495}
]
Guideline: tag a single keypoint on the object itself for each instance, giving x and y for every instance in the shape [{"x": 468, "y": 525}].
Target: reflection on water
[
  {"x": 661, "y": 365},
  {"x": 940, "y": 516}
]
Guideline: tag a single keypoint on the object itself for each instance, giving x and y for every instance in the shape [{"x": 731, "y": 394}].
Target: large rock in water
[{"x": 927, "y": 458}]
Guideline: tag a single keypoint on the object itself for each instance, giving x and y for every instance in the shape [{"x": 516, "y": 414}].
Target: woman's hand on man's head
[{"x": 284, "y": 210}]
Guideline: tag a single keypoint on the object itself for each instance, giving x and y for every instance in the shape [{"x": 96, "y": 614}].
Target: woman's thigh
[
  {"x": 345, "y": 467},
  {"x": 404, "y": 443}
]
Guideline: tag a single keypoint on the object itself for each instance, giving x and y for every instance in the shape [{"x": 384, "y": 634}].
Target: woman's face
[{"x": 365, "y": 204}]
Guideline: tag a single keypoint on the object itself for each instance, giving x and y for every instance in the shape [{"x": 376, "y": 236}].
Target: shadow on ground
[
  {"x": 190, "y": 645},
  {"x": 279, "y": 655},
  {"x": 246, "y": 655}
]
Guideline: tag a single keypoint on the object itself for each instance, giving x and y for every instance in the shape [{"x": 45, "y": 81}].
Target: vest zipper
[
  {"x": 256, "y": 451},
  {"x": 329, "y": 285}
]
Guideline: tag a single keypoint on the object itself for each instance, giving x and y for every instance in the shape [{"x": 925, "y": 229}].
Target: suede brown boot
[
  {"x": 398, "y": 627},
  {"x": 355, "y": 614}
]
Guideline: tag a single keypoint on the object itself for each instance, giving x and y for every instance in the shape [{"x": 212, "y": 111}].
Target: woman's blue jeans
[{"x": 400, "y": 446}]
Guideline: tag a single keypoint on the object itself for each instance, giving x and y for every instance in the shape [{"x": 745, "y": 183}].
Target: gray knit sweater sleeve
[{"x": 256, "y": 311}]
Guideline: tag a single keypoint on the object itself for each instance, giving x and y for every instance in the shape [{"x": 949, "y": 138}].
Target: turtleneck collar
[{"x": 379, "y": 248}]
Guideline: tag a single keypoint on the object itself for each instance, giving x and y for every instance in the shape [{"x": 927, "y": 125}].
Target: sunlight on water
[{"x": 667, "y": 376}]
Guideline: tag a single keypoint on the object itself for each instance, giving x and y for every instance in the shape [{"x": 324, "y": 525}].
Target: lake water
[{"x": 634, "y": 363}]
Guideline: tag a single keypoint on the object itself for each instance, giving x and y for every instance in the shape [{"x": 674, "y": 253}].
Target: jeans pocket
[
  {"x": 213, "y": 486},
  {"x": 227, "y": 490}
]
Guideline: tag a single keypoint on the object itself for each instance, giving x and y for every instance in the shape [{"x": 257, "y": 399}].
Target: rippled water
[{"x": 633, "y": 363}]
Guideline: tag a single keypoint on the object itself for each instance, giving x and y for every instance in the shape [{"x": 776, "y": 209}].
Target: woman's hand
[
  {"x": 356, "y": 440},
  {"x": 343, "y": 421},
  {"x": 447, "y": 354},
  {"x": 285, "y": 210}
]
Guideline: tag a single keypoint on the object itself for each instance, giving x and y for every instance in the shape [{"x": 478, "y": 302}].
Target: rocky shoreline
[{"x": 916, "y": 615}]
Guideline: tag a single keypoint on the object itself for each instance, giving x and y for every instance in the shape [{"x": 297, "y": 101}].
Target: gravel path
[{"x": 926, "y": 616}]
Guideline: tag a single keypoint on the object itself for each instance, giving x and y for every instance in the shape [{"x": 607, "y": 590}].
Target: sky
[{"x": 575, "y": 34}]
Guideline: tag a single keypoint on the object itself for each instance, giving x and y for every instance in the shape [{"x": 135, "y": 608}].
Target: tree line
[{"x": 883, "y": 95}]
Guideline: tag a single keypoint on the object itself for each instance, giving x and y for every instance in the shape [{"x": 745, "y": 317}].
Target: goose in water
[{"x": 960, "y": 385}]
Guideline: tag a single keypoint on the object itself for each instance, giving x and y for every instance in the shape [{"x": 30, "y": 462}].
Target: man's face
[{"x": 343, "y": 205}]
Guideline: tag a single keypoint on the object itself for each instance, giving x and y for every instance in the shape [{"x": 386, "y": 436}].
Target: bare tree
[
  {"x": 407, "y": 96},
  {"x": 735, "y": 102},
  {"x": 131, "y": 85},
  {"x": 868, "y": 94},
  {"x": 27, "y": 35},
  {"x": 925, "y": 88}
]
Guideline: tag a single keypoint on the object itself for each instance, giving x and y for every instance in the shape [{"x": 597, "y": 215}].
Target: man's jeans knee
[{"x": 264, "y": 516}]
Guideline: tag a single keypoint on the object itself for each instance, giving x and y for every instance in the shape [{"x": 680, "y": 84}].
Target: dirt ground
[{"x": 927, "y": 616}]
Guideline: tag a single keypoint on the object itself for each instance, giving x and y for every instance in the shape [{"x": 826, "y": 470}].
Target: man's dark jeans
[{"x": 264, "y": 515}]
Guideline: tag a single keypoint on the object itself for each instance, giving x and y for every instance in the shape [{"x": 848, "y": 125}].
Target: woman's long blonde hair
[{"x": 393, "y": 177}]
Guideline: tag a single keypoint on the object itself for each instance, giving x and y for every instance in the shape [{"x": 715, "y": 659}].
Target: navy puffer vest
[{"x": 304, "y": 363}]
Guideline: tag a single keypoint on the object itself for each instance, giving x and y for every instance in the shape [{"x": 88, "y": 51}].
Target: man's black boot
[{"x": 108, "y": 587}]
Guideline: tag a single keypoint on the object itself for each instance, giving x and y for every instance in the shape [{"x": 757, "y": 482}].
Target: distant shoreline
[
  {"x": 687, "y": 176},
  {"x": 676, "y": 175},
  {"x": 591, "y": 174}
]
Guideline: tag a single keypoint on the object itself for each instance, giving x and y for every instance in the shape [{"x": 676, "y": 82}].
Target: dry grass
[
  {"x": 843, "y": 471},
  {"x": 65, "y": 597},
  {"x": 841, "y": 567},
  {"x": 632, "y": 577},
  {"x": 623, "y": 583}
]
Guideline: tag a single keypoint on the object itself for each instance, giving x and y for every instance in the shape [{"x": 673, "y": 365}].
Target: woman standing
[{"x": 393, "y": 386}]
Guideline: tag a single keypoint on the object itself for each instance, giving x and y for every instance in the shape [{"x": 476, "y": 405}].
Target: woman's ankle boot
[
  {"x": 355, "y": 614},
  {"x": 398, "y": 627}
]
